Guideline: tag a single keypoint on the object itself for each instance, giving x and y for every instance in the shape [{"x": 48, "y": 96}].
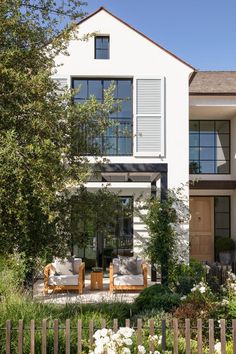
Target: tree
[
  {"x": 94, "y": 214},
  {"x": 167, "y": 244},
  {"x": 37, "y": 123}
]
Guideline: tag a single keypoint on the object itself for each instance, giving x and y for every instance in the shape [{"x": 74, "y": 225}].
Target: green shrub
[
  {"x": 223, "y": 244},
  {"x": 156, "y": 297},
  {"x": 12, "y": 274}
]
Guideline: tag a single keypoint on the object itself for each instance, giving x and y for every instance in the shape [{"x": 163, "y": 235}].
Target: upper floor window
[
  {"x": 209, "y": 146},
  {"x": 118, "y": 138},
  {"x": 102, "y": 47}
]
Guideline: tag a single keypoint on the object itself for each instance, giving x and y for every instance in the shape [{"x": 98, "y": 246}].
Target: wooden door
[{"x": 202, "y": 228}]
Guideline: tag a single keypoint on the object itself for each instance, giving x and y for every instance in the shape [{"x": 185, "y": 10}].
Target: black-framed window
[
  {"x": 118, "y": 138},
  {"x": 102, "y": 47},
  {"x": 222, "y": 216},
  {"x": 209, "y": 146}
]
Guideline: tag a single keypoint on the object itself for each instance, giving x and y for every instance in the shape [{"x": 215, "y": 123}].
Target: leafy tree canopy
[{"x": 37, "y": 122}]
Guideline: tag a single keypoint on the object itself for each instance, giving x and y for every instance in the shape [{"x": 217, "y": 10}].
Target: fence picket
[
  {"x": 68, "y": 336},
  {"x": 32, "y": 337},
  {"x": 91, "y": 332},
  {"x": 151, "y": 332},
  {"x": 187, "y": 335},
  {"x": 103, "y": 323},
  {"x": 222, "y": 336},
  {"x": 234, "y": 335},
  {"x": 115, "y": 325},
  {"x": 79, "y": 333},
  {"x": 199, "y": 335},
  {"x": 44, "y": 336},
  {"x": 139, "y": 331},
  {"x": 211, "y": 337},
  {"x": 176, "y": 334},
  {"x": 127, "y": 322},
  {"x": 8, "y": 337},
  {"x": 56, "y": 337},
  {"x": 163, "y": 334},
  {"x": 20, "y": 336}
]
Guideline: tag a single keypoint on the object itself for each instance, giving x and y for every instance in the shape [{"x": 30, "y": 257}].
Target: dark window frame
[
  {"x": 122, "y": 120},
  {"x": 199, "y": 133},
  {"x": 222, "y": 212},
  {"x": 104, "y": 50}
]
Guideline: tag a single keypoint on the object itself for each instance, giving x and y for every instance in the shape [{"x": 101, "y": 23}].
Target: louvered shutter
[{"x": 150, "y": 116}]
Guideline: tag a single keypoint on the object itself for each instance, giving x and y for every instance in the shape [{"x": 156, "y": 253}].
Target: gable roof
[
  {"x": 213, "y": 83},
  {"x": 135, "y": 30}
]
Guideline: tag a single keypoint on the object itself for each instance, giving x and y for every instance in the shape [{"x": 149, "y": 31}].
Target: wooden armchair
[
  {"x": 128, "y": 282},
  {"x": 63, "y": 282}
]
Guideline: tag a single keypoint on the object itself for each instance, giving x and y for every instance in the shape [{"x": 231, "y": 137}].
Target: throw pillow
[{"x": 128, "y": 266}]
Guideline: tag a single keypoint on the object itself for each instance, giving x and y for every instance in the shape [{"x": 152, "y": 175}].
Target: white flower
[
  {"x": 128, "y": 341},
  {"x": 217, "y": 348},
  {"x": 183, "y": 297},
  {"x": 224, "y": 302},
  {"x": 126, "y": 351},
  {"x": 127, "y": 332},
  {"x": 141, "y": 349},
  {"x": 202, "y": 289},
  {"x": 104, "y": 332}
]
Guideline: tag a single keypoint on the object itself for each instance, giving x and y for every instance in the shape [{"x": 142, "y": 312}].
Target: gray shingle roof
[{"x": 213, "y": 82}]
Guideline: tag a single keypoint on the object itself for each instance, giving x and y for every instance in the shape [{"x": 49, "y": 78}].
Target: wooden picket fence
[{"x": 176, "y": 328}]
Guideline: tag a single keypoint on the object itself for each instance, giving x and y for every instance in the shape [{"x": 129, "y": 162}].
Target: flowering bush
[{"x": 121, "y": 342}]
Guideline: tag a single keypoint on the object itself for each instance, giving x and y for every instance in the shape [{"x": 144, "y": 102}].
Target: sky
[{"x": 201, "y": 32}]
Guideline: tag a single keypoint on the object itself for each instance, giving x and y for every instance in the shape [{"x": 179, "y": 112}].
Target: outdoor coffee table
[{"x": 96, "y": 280}]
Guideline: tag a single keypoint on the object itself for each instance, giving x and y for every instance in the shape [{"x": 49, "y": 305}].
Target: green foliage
[
  {"x": 38, "y": 120},
  {"x": 12, "y": 274},
  {"x": 163, "y": 219},
  {"x": 186, "y": 276},
  {"x": 223, "y": 244},
  {"x": 156, "y": 297}
]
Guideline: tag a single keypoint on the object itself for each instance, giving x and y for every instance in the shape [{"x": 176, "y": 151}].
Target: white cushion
[
  {"x": 62, "y": 266},
  {"x": 63, "y": 279},
  {"x": 116, "y": 264},
  {"x": 128, "y": 279},
  {"x": 76, "y": 265}
]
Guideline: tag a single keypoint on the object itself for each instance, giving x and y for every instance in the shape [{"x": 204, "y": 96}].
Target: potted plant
[{"x": 224, "y": 249}]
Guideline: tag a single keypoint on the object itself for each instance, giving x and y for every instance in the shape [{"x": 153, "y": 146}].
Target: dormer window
[{"x": 102, "y": 47}]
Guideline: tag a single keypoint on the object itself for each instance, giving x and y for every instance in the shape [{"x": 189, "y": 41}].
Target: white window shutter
[{"x": 150, "y": 116}]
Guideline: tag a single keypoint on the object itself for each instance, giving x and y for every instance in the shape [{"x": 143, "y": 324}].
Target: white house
[{"x": 156, "y": 153}]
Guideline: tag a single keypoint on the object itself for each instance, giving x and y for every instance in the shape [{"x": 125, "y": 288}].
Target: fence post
[
  {"x": 211, "y": 337},
  {"x": 199, "y": 336},
  {"x": 44, "y": 336},
  {"x": 176, "y": 333},
  {"x": 151, "y": 332},
  {"x": 115, "y": 325},
  {"x": 127, "y": 322},
  {"x": 79, "y": 337},
  {"x": 163, "y": 333},
  {"x": 91, "y": 332},
  {"x": 68, "y": 336},
  {"x": 56, "y": 337},
  {"x": 8, "y": 337},
  {"x": 103, "y": 323},
  {"x": 20, "y": 336},
  {"x": 222, "y": 336},
  {"x": 139, "y": 331},
  {"x": 234, "y": 335},
  {"x": 187, "y": 335},
  {"x": 32, "y": 337}
]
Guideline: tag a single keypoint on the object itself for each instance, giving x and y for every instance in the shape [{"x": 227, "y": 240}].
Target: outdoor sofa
[
  {"x": 128, "y": 273},
  {"x": 64, "y": 274}
]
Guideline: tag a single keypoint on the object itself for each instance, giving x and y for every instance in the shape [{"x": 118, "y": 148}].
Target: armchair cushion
[
  {"x": 129, "y": 266},
  {"x": 62, "y": 266},
  {"x": 128, "y": 279},
  {"x": 63, "y": 279}
]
